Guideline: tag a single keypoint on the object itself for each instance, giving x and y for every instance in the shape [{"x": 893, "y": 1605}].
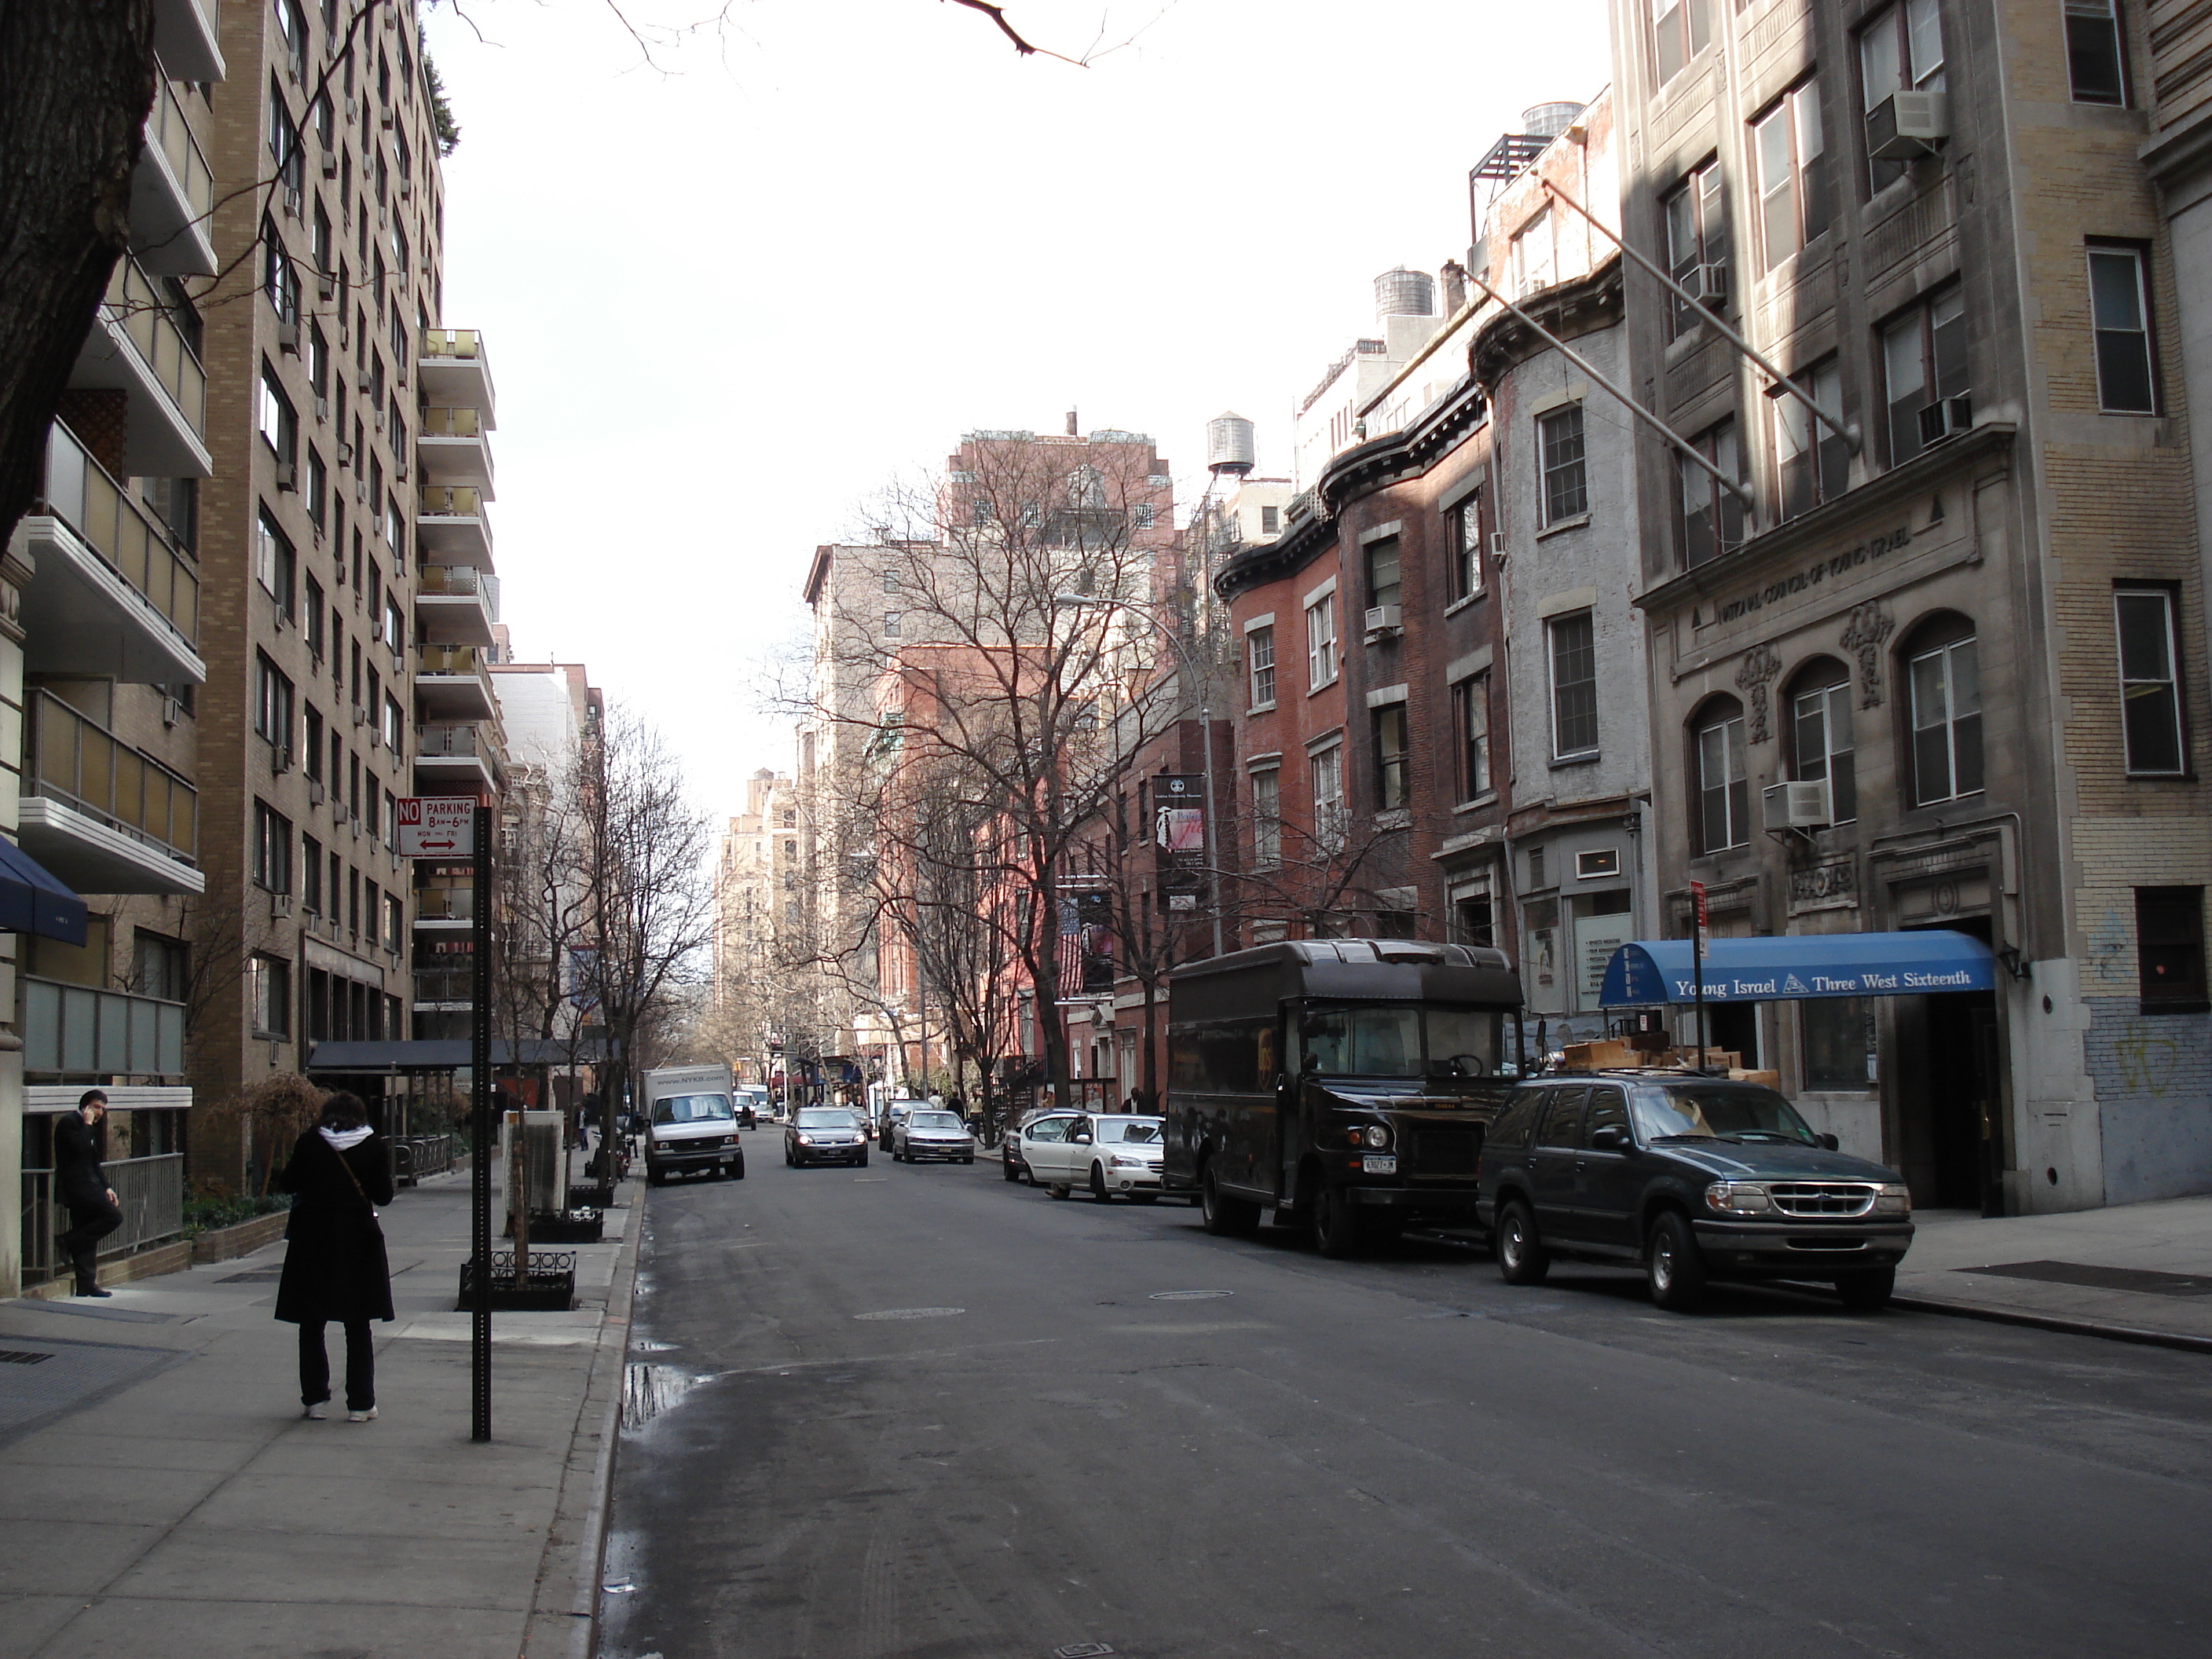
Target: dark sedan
[{"x": 825, "y": 1134}]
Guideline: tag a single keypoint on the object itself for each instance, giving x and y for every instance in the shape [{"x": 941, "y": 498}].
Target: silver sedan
[{"x": 926, "y": 1134}]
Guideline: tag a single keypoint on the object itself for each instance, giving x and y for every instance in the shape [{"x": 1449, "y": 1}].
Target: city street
[{"x": 917, "y": 1412}]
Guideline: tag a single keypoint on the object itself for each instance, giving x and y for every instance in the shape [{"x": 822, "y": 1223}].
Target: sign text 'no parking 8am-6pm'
[{"x": 437, "y": 826}]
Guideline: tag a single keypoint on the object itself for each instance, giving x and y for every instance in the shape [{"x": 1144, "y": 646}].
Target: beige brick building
[{"x": 1973, "y": 618}]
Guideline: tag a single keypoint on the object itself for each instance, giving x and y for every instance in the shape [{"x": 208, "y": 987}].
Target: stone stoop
[
  {"x": 223, "y": 1243},
  {"x": 172, "y": 1257}
]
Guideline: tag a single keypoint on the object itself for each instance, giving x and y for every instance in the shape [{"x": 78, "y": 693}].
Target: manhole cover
[
  {"x": 913, "y": 1313},
  {"x": 1189, "y": 1296}
]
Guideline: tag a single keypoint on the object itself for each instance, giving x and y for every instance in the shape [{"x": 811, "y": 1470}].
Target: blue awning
[
  {"x": 1646, "y": 972},
  {"x": 33, "y": 901}
]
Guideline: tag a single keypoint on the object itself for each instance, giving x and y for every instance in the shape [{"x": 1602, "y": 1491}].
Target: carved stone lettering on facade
[
  {"x": 1832, "y": 886},
  {"x": 1864, "y": 630},
  {"x": 1760, "y": 666},
  {"x": 1833, "y": 568}
]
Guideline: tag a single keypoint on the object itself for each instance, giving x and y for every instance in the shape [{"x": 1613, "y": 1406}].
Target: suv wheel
[
  {"x": 1522, "y": 1257},
  {"x": 1223, "y": 1216},
  {"x": 1865, "y": 1292},
  {"x": 1673, "y": 1265},
  {"x": 1335, "y": 1222}
]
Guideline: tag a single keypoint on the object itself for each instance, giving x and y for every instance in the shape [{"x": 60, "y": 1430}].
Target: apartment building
[
  {"x": 1328, "y": 422},
  {"x": 100, "y": 666},
  {"x": 759, "y": 907},
  {"x": 1957, "y": 605}
]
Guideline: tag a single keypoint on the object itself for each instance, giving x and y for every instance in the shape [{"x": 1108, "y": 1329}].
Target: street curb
[
  {"x": 2109, "y": 1333},
  {"x": 564, "y": 1610}
]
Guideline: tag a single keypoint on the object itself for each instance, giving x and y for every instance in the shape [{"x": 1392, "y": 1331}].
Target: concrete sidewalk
[
  {"x": 2139, "y": 1272},
  {"x": 159, "y": 1493}
]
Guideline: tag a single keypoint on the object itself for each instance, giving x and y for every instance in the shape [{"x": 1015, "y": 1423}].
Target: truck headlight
[
  {"x": 1894, "y": 1200},
  {"x": 1377, "y": 1135},
  {"x": 1738, "y": 1197}
]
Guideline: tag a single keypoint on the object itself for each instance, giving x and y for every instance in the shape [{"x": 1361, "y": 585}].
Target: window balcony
[
  {"x": 172, "y": 194},
  {"x": 188, "y": 39},
  {"x": 453, "y": 605},
  {"x": 455, "y": 372},
  {"x": 452, "y": 449},
  {"x": 135, "y": 349},
  {"x": 445, "y": 755},
  {"x": 451, "y": 684},
  {"x": 77, "y": 1030},
  {"x": 101, "y": 816},
  {"x": 446, "y": 990},
  {"x": 112, "y": 596},
  {"x": 447, "y": 911},
  {"x": 450, "y": 526}
]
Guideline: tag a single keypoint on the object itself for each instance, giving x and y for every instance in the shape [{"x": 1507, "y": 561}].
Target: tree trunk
[
  {"x": 1152, "y": 1068},
  {"x": 73, "y": 118}
]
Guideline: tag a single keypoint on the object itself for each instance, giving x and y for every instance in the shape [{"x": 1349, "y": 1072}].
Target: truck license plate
[{"x": 1379, "y": 1164}]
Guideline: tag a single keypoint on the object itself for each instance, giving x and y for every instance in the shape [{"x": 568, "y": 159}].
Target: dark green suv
[{"x": 1696, "y": 1177}]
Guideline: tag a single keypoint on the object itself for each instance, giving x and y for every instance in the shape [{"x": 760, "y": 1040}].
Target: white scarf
[{"x": 344, "y": 1140}]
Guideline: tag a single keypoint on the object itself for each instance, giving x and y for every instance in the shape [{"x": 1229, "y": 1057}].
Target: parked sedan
[
  {"x": 825, "y": 1134},
  {"x": 1122, "y": 1158},
  {"x": 927, "y": 1133},
  {"x": 1040, "y": 1126}
]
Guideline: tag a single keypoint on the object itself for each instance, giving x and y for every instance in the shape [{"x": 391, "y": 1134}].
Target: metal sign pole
[
  {"x": 480, "y": 1131},
  {"x": 1697, "y": 963}
]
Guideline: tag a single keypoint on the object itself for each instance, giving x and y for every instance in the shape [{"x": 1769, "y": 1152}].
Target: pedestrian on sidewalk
[
  {"x": 81, "y": 1185},
  {"x": 335, "y": 1267}
]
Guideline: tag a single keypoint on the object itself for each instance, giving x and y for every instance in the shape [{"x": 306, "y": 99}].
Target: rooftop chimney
[{"x": 1071, "y": 423}]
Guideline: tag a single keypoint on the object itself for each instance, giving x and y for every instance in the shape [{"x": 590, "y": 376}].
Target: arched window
[
  {"x": 1717, "y": 762},
  {"x": 1819, "y": 708},
  {"x": 1943, "y": 683}
]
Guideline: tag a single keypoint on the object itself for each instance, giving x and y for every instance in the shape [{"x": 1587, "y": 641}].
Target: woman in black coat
[{"x": 335, "y": 1267}]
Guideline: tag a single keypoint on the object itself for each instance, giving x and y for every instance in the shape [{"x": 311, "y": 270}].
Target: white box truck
[{"x": 690, "y": 1123}]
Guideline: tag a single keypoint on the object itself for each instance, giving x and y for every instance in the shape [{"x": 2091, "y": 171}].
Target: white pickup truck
[{"x": 691, "y": 1123}]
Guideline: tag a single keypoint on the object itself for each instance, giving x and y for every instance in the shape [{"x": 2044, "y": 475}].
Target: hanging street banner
[{"x": 1179, "y": 830}]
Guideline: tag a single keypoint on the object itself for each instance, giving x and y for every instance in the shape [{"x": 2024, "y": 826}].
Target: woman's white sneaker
[{"x": 368, "y": 1416}]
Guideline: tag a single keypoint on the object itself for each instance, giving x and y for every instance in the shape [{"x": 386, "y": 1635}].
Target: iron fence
[{"x": 149, "y": 1190}]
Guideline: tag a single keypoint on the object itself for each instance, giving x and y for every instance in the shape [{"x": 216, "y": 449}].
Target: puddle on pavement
[{"x": 649, "y": 1391}]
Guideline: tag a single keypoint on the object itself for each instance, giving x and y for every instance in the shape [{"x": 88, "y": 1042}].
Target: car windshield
[
  {"x": 933, "y": 1120},
  {"x": 1130, "y": 1131},
  {"x": 1687, "y": 1112},
  {"x": 691, "y": 1108},
  {"x": 1402, "y": 1040},
  {"x": 824, "y": 1117}
]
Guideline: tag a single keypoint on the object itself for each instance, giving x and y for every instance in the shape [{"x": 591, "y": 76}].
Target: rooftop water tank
[
  {"x": 1403, "y": 292},
  {"x": 1229, "y": 444},
  {"x": 1549, "y": 120}
]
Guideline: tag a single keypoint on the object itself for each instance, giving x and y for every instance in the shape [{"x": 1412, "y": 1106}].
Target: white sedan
[{"x": 1112, "y": 1154}]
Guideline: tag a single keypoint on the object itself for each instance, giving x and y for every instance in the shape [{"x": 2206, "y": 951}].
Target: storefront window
[{"x": 1838, "y": 1042}]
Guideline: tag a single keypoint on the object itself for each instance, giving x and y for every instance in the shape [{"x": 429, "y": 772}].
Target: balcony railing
[
  {"x": 456, "y": 579},
  {"x": 82, "y": 764},
  {"x": 149, "y": 1190},
  {"x": 80, "y": 493},
  {"x": 445, "y": 904},
  {"x": 77, "y": 1029},
  {"x": 132, "y": 302},
  {"x": 452, "y": 423},
  {"x": 450, "y": 342},
  {"x": 168, "y": 127},
  {"x": 445, "y": 986},
  {"x": 449, "y": 660},
  {"x": 456, "y": 742},
  {"x": 452, "y": 501}
]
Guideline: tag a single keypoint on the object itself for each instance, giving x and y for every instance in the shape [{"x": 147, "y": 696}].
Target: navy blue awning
[
  {"x": 33, "y": 901},
  {"x": 1796, "y": 966}
]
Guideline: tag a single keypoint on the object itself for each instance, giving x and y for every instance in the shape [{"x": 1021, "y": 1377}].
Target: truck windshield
[
  {"x": 1402, "y": 1040},
  {"x": 1691, "y": 1113},
  {"x": 691, "y": 1108}
]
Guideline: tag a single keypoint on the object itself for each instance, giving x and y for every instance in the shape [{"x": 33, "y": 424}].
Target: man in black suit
[{"x": 81, "y": 1185}]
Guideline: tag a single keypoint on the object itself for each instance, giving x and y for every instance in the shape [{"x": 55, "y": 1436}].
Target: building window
[
  {"x": 1723, "y": 794},
  {"x": 1271, "y": 520},
  {"x": 395, "y": 921},
  {"x": 1812, "y": 462},
  {"x": 1464, "y": 530},
  {"x": 311, "y": 875},
  {"x": 1680, "y": 30},
  {"x": 1473, "y": 921},
  {"x": 273, "y": 703},
  {"x": 1327, "y": 769},
  {"x": 1697, "y": 236},
  {"x": 1900, "y": 51},
  {"x": 1924, "y": 356},
  {"x": 891, "y": 625},
  {"x": 1821, "y": 745},
  {"x": 1392, "y": 754},
  {"x": 1321, "y": 642},
  {"x": 1572, "y": 643},
  {"x": 2119, "y": 301},
  {"x": 1260, "y": 664},
  {"x": 271, "y": 987},
  {"x": 1946, "y": 720},
  {"x": 272, "y": 849},
  {"x": 275, "y": 563},
  {"x": 1711, "y": 521},
  {"x": 2150, "y": 683},
  {"x": 280, "y": 280},
  {"x": 1536, "y": 253},
  {"x": 1471, "y": 735},
  {"x": 1384, "y": 564},
  {"x": 1793, "y": 204},
  {"x": 395, "y": 724},
  {"x": 2094, "y": 64},
  {"x": 1559, "y": 443},
  {"x": 2170, "y": 949},
  {"x": 161, "y": 967},
  {"x": 1838, "y": 1042},
  {"x": 1267, "y": 819},
  {"x": 279, "y": 421}
]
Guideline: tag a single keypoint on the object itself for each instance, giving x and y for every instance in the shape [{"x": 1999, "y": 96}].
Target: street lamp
[{"x": 1071, "y": 601}]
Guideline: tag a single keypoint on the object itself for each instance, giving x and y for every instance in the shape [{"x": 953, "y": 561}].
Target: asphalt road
[{"x": 918, "y": 1413}]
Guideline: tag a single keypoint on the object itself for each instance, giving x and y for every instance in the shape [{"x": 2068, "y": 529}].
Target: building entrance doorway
[{"x": 1950, "y": 1095}]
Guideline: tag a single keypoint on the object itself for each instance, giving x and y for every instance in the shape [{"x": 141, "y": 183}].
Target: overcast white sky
[{"x": 726, "y": 301}]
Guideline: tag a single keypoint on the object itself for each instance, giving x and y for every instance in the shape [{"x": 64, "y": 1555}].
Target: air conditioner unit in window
[
  {"x": 280, "y": 904},
  {"x": 361, "y": 489},
  {"x": 326, "y": 286},
  {"x": 1496, "y": 543},
  {"x": 1709, "y": 282},
  {"x": 375, "y": 739},
  {"x": 173, "y": 710},
  {"x": 288, "y": 337},
  {"x": 1947, "y": 417},
  {"x": 287, "y": 475},
  {"x": 1385, "y": 620},
  {"x": 345, "y": 452},
  {"x": 330, "y": 164},
  {"x": 384, "y": 116},
  {"x": 360, "y": 715},
  {"x": 280, "y": 759},
  {"x": 1906, "y": 124},
  {"x": 314, "y": 791},
  {"x": 1796, "y": 805}
]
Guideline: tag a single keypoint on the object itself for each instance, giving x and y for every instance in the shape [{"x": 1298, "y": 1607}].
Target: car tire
[
  {"x": 1673, "y": 1265},
  {"x": 1223, "y": 1216},
  {"x": 1863, "y": 1292},
  {"x": 1098, "y": 1191},
  {"x": 1014, "y": 1172},
  {"x": 1522, "y": 1257},
  {"x": 863, "y": 1161},
  {"x": 970, "y": 1158},
  {"x": 737, "y": 1168},
  {"x": 1337, "y": 1230},
  {"x": 655, "y": 1177},
  {"x": 1057, "y": 1190}
]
